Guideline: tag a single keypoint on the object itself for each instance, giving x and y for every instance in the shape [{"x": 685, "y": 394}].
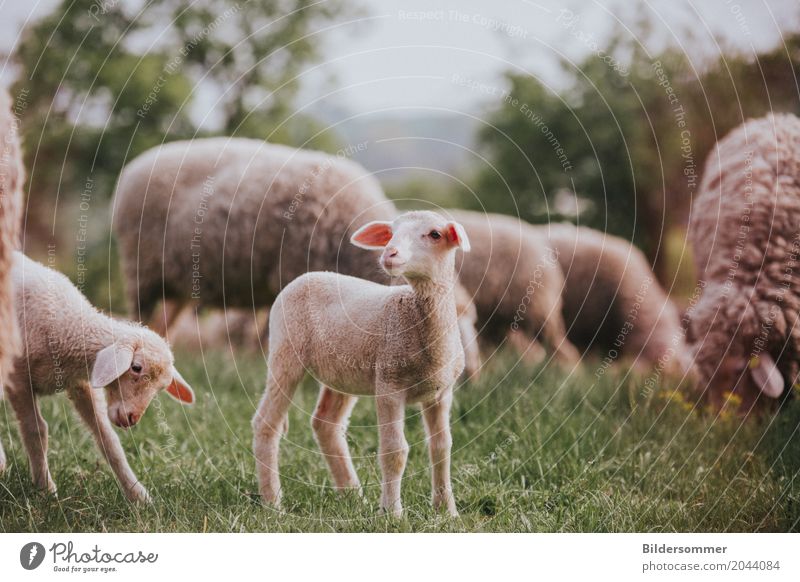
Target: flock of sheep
[{"x": 240, "y": 224}]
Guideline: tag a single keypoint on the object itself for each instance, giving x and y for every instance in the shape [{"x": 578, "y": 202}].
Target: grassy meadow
[{"x": 535, "y": 450}]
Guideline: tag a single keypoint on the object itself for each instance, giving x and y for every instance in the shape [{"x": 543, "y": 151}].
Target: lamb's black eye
[
  {"x": 136, "y": 368},
  {"x": 435, "y": 235}
]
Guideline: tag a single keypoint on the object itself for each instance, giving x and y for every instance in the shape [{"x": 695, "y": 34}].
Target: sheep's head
[
  {"x": 133, "y": 370},
  {"x": 729, "y": 351},
  {"x": 417, "y": 245}
]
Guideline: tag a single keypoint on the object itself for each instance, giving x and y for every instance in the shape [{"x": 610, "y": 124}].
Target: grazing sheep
[
  {"x": 745, "y": 234},
  {"x": 12, "y": 175},
  {"x": 229, "y": 222},
  {"x": 399, "y": 344},
  {"x": 613, "y": 302},
  {"x": 516, "y": 284},
  {"x": 70, "y": 346}
]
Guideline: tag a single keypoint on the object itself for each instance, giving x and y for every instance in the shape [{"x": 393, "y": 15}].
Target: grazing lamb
[
  {"x": 12, "y": 176},
  {"x": 516, "y": 283},
  {"x": 745, "y": 234},
  {"x": 613, "y": 302},
  {"x": 399, "y": 344},
  {"x": 229, "y": 222},
  {"x": 70, "y": 346}
]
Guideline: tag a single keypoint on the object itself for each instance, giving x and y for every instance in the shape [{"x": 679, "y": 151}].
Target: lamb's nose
[
  {"x": 390, "y": 252},
  {"x": 133, "y": 418}
]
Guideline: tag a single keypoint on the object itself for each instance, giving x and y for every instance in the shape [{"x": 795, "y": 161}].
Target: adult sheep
[
  {"x": 225, "y": 222},
  {"x": 229, "y": 222},
  {"x": 613, "y": 303},
  {"x": 745, "y": 234},
  {"x": 516, "y": 284},
  {"x": 12, "y": 176}
]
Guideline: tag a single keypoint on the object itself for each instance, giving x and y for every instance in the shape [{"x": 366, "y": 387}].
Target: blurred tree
[
  {"x": 628, "y": 140},
  {"x": 103, "y": 81},
  {"x": 100, "y": 81}
]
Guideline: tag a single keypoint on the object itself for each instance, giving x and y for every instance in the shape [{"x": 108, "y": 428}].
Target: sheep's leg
[
  {"x": 2, "y": 452},
  {"x": 531, "y": 350},
  {"x": 392, "y": 451},
  {"x": 165, "y": 316},
  {"x": 330, "y": 424},
  {"x": 554, "y": 337},
  {"x": 33, "y": 429},
  {"x": 437, "y": 429},
  {"x": 92, "y": 410},
  {"x": 269, "y": 425},
  {"x": 263, "y": 337},
  {"x": 472, "y": 352}
]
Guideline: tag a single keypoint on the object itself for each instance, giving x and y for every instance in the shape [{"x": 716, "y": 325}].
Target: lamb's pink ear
[
  {"x": 179, "y": 389},
  {"x": 457, "y": 236},
  {"x": 110, "y": 363},
  {"x": 766, "y": 375},
  {"x": 373, "y": 236}
]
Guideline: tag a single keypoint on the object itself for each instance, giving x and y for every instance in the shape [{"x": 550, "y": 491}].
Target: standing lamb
[
  {"x": 70, "y": 346},
  {"x": 745, "y": 233},
  {"x": 399, "y": 344},
  {"x": 12, "y": 175},
  {"x": 229, "y": 222},
  {"x": 516, "y": 283},
  {"x": 613, "y": 302}
]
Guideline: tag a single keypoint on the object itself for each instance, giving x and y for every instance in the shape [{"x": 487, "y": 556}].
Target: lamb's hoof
[
  {"x": 138, "y": 494},
  {"x": 271, "y": 499},
  {"x": 395, "y": 512},
  {"x": 446, "y": 503},
  {"x": 48, "y": 486}
]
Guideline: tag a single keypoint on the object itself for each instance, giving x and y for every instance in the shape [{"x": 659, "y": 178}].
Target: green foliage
[
  {"x": 633, "y": 142},
  {"x": 533, "y": 451},
  {"x": 101, "y": 82}
]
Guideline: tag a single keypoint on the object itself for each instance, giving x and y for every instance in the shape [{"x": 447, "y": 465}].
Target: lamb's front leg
[
  {"x": 392, "y": 450},
  {"x": 91, "y": 407},
  {"x": 436, "y": 417},
  {"x": 33, "y": 430}
]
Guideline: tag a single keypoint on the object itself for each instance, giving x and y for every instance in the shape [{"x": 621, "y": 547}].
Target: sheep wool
[
  {"x": 745, "y": 235},
  {"x": 515, "y": 281},
  {"x": 613, "y": 302},
  {"x": 12, "y": 176},
  {"x": 229, "y": 222}
]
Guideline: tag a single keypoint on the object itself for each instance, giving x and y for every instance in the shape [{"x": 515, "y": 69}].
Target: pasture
[{"x": 535, "y": 450}]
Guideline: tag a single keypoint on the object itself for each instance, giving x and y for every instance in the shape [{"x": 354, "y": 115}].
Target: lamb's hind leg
[
  {"x": 283, "y": 375},
  {"x": 2, "y": 452},
  {"x": 33, "y": 430},
  {"x": 436, "y": 417},
  {"x": 2, "y": 459},
  {"x": 92, "y": 411},
  {"x": 330, "y": 424}
]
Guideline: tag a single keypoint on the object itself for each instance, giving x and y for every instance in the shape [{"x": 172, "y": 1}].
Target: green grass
[{"x": 534, "y": 450}]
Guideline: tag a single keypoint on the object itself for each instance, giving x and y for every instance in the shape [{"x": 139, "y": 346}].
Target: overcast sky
[{"x": 395, "y": 58}]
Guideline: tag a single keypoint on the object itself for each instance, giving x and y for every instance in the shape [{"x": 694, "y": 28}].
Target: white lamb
[
  {"x": 70, "y": 346},
  {"x": 358, "y": 338}
]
